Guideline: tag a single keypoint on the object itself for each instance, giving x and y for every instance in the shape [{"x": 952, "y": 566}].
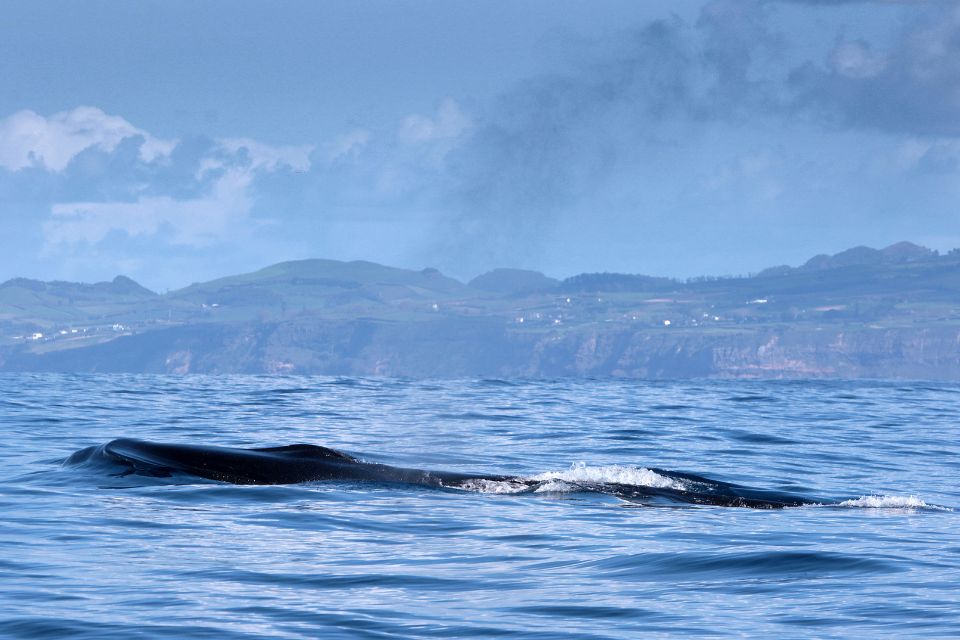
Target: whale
[
  {"x": 308, "y": 463},
  {"x": 288, "y": 464}
]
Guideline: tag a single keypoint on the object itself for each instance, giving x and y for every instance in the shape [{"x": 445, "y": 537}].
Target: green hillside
[{"x": 326, "y": 315}]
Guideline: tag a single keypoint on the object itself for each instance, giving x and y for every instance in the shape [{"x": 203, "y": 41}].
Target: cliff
[
  {"x": 892, "y": 313},
  {"x": 483, "y": 347}
]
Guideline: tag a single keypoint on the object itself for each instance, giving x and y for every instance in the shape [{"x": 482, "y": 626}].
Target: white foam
[
  {"x": 493, "y": 486},
  {"x": 888, "y": 502},
  {"x": 555, "y": 486},
  {"x": 581, "y": 473},
  {"x": 573, "y": 478}
]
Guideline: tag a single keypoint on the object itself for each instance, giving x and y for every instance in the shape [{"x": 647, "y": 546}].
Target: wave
[
  {"x": 579, "y": 477},
  {"x": 580, "y": 473},
  {"x": 636, "y": 483},
  {"x": 890, "y": 502}
]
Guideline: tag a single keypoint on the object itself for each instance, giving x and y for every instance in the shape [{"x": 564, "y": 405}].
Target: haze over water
[{"x": 83, "y": 554}]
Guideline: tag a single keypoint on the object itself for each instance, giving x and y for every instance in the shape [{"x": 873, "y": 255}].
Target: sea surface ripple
[{"x": 88, "y": 555}]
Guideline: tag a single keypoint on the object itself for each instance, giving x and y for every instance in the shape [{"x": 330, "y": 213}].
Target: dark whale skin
[
  {"x": 298, "y": 463},
  {"x": 289, "y": 464}
]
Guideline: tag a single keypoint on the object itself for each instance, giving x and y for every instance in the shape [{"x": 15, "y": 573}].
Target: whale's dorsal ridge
[
  {"x": 311, "y": 450},
  {"x": 298, "y": 463}
]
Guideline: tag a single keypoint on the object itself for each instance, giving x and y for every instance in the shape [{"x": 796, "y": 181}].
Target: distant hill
[
  {"x": 353, "y": 288},
  {"x": 330, "y": 275},
  {"x": 863, "y": 312},
  {"x": 513, "y": 282},
  {"x": 899, "y": 253},
  {"x": 33, "y": 304},
  {"x": 121, "y": 286}
]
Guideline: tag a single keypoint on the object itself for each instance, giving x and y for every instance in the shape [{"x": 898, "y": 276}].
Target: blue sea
[{"x": 89, "y": 554}]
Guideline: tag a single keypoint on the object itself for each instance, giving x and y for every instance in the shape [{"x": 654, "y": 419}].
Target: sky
[{"x": 176, "y": 141}]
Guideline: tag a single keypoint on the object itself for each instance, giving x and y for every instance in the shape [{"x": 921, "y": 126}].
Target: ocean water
[{"x": 84, "y": 553}]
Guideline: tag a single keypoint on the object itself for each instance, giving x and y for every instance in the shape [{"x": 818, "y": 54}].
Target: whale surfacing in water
[
  {"x": 298, "y": 463},
  {"x": 290, "y": 464}
]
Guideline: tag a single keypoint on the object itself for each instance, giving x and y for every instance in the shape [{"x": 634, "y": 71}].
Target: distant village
[{"x": 297, "y": 306}]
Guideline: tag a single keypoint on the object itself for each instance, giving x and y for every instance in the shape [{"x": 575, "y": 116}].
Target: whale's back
[{"x": 271, "y": 465}]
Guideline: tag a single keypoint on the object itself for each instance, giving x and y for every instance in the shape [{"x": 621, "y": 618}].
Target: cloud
[
  {"x": 346, "y": 146},
  {"x": 912, "y": 87},
  {"x": 449, "y": 123},
  {"x": 733, "y": 34},
  {"x": 254, "y": 156},
  {"x": 203, "y": 198},
  {"x": 856, "y": 59},
  {"x": 929, "y": 156},
  {"x": 28, "y": 139},
  {"x": 265, "y": 157},
  {"x": 195, "y": 222},
  {"x": 751, "y": 173},
  {"x": 663, "y": 135},
  {"x": 552, "y": 147},
  {"x": 553, "y": 140}
]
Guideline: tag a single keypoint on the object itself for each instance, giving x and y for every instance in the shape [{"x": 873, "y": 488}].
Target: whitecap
[
  {"x": 493, "y": 486},
  {"x": 555, "y": 486},
  {"x": 889, "y": 502},
  {"x": 581, "y": 473}
]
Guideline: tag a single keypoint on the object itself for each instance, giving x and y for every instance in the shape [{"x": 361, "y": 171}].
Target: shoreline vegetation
[{"x": 862, "y": 313}]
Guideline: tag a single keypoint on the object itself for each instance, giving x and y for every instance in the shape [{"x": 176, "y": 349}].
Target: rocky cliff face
[
  {"x": 863, "y": 312},
  {"x": 856, "y": 352},
  {"x": 488, "y": 347}
]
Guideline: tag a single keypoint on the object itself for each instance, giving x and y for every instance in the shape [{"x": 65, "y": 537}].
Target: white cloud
[
  {"x": 259, "y": 156},
  {"x": 224, "y": 175},
  {"x": 267, "y": 157},
  {"x": 348, "y": 145},
  {"x": 28, "y": 139},
  {"x": 194, "y": 222},
  {"x": 448, "y": 123}
]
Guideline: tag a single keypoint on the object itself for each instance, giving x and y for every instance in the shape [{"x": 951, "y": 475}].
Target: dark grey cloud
[
  {"x": 551, "y": 141},
  {"x": 547, "y": 150},
  {"x": 733, "y": 35},
  {"x": 912, "y": 86}
]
